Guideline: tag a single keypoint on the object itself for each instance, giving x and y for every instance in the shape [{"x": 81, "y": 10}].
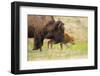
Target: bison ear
[{"x": 60, "y": 25}]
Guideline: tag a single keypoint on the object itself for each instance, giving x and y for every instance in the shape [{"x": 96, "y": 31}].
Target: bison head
[{"x": 56, "y": 31}]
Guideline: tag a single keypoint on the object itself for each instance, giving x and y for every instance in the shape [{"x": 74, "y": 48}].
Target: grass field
[
  {"x": 76, "y": 26},
  {"x": 78, "y": 50}
]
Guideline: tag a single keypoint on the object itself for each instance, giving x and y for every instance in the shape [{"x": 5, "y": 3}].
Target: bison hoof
[{"x": 34, "y": 49}]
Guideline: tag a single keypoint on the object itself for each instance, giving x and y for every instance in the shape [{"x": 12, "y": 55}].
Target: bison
[
  {"x": 67, "y": 39},
  {"x": 41, "y": 27}
]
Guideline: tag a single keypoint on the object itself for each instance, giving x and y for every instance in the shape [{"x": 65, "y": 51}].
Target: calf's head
[{"x": 72, "y": 40}]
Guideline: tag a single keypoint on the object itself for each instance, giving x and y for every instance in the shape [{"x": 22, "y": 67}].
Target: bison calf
[{"x": 67, "y": 39}]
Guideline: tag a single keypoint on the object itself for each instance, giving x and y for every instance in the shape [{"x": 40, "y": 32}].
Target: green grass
[
  {"x": 78, "y": 50},
  {"x": 76, "y": 26}
]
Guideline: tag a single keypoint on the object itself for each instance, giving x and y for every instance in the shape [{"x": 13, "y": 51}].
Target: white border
[{"x": 25, "y": 65}]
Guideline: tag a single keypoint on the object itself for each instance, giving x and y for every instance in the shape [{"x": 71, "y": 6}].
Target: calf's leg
[{"x": 61, "y": 46}]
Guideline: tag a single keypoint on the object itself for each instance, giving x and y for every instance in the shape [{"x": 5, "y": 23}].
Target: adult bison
[{"x": 41, "y": 27}]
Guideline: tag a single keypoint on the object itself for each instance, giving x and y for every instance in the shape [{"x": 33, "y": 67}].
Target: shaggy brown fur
[{"x": 41, "y": 26}]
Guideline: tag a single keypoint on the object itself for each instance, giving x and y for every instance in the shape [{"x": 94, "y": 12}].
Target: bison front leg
[
  {"x": 35, "y": 46},
  {"x": 38, "y": 42},
  {"x": 41, "y": 43}
]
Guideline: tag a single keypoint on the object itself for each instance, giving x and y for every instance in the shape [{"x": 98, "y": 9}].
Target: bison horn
[{"x": 60, "y": 26}]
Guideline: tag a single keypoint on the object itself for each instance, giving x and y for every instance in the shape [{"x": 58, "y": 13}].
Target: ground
[{"x": 78, "y": 50}]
